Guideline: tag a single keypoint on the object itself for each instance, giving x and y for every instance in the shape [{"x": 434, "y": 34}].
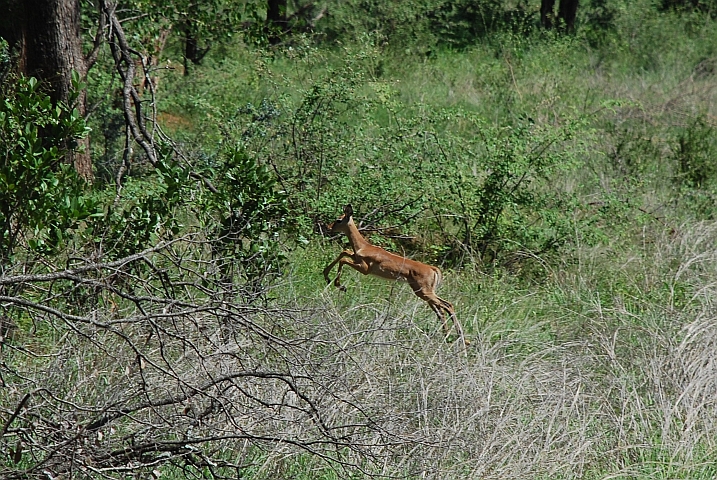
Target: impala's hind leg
[
  {"x": 448, "y": 307},
  {"x": 439, "y": 306}
]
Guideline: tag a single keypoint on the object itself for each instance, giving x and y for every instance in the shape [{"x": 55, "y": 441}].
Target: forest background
[{"x": 167, "y": 172}]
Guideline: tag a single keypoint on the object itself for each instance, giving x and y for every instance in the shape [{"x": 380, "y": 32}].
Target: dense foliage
[{"x": 41, "y": 198}]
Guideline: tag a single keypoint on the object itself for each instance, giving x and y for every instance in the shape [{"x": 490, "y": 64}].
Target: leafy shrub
[
  {"x": 472, "y": 190},
  {"x": 694, "y": 152},
  {"x": 5, "y": 60},
  {"x": 243, "y": 218},
  {"x": 709, "y": 6},
  {"x": 694, "y": 149},
  {"x": 235, "y": 207},
  {"x": 496, "y": 196},
  {"x": 40, "y": 194},
  {"x": 144, "y": 211},
  {"x": 632, "y": 150},
  {"x": 597, "y": 21}
]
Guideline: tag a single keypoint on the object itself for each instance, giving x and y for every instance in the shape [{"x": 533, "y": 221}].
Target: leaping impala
[{"x": 372, "y": 260}]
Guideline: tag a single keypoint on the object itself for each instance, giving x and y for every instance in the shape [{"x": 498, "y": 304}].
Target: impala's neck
[{"x": 355, "y": 238}]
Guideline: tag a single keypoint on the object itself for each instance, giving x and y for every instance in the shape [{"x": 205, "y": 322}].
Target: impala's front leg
[
  {"x": 327, "y": 270},
  {"x": 359, "y": 266}
]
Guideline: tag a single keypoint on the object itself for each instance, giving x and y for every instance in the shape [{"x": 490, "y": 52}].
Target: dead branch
[{"x": 152, "y": 363}]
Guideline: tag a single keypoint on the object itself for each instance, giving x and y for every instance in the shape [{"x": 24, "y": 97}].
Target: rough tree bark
[
  {"x": 192, "y": 51},
  {"x": 46, "y": 34}
]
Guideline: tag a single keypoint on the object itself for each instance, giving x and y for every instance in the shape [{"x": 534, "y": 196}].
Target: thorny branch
[{"x": 121, "y": 374}]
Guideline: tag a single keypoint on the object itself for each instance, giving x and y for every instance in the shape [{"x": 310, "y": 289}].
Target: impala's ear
[{"x": 349, "y": 210}]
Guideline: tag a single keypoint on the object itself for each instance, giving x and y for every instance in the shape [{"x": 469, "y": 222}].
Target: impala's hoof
[{"x": 342, "y": 288}]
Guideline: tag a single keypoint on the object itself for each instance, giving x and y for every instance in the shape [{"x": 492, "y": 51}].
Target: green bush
[
  {"x": 694, "y": 150},
  {"x": 144, "y": 211},
  {"x": 243, "y": 217},
  {"x": 496, "y": 197},
  {"x": 41, "y": 196},
  {"x": 472, "y": 190}
]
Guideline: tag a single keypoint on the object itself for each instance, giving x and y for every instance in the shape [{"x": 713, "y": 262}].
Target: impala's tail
[{"x": 438, "y": 278}]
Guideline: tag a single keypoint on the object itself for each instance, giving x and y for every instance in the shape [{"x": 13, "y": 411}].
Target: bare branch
[
  {"x": 172, "y": 370},
  {"x": 91, "y": 57}
]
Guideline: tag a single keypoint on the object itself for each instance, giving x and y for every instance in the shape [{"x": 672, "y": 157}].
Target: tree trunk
[
  {"x": 546, "y": 13},
  {"x": 567, "y": 11},
  {"x": 47, "y": 35},
  {"x": 191, "y": 48},
  {"x": 192, "y": 52},
  {"x": 276, "y": 19}
]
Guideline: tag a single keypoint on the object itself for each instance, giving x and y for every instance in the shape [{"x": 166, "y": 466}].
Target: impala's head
[{"x": 341, "y": 224}]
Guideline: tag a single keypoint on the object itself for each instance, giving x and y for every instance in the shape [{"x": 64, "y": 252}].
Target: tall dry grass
[{"x": 597, "y": 386}]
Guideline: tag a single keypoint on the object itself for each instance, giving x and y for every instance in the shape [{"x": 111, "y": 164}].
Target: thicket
[{"x": 169, "y": 321}]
